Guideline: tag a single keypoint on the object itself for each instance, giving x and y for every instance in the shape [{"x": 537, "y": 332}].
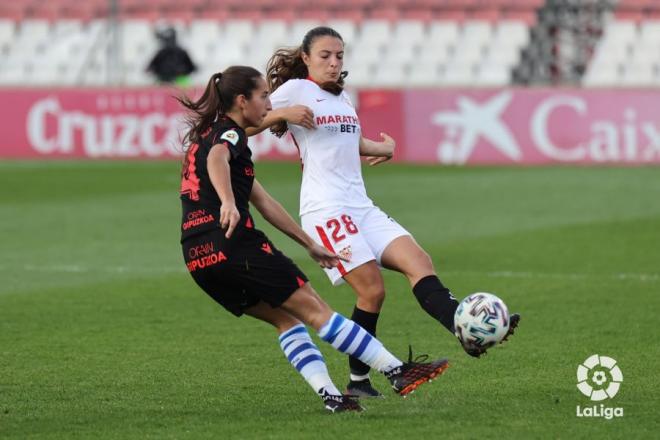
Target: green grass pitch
[{"x": 103, "y": 334}]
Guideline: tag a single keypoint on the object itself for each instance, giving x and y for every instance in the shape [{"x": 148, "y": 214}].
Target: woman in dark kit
[{"x": 239, "y": 267}]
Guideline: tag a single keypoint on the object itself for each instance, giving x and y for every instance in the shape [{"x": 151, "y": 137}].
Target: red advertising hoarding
[
  {"x": 98, "y": 123},
  {"x": 503, "y": 126},
  {"x": 518, "y": 126}
]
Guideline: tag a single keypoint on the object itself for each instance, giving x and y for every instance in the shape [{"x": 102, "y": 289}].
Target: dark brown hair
[
  {"x": 217, "y": 99},
  {"x": 287, "y": 63}
]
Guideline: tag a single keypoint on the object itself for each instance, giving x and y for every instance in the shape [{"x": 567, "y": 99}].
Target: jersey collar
[
  {"x": 309, "y": 78},
  {"x": 227, "y": 120}
]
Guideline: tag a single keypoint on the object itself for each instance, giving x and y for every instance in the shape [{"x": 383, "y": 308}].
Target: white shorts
[{"x": 360, "y": 234}]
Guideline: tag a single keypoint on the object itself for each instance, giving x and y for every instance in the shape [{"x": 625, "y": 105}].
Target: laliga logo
[
  {"x": 599, "y": 378},
  {"x": 596, "y": 371}
]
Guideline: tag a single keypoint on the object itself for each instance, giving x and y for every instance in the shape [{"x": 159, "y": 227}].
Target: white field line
[
  {"x": 80, "y": 268},
  {"x": 560, "y": 276},
  {"x": 140, "y": 270}
]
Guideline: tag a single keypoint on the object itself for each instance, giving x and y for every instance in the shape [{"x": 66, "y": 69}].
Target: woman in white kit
[{"x": 308, "y": 100}]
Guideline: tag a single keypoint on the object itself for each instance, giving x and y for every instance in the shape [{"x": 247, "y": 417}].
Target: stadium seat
[
  {"x": 489, "y": 75},
  {"x": 346, "y": 28},
  {"x": 434, "y": 52},
  {"x": 360, "y": 75},
  {"x": 506, "y": 56},
  {"x": 650, "y": 31},
  {"x": 601, "y": 78},
  {"x": 423, "y": 74},
  {"x": 645, "y": 52},
  {"x": 467, "y": 53},
  {"x": 443, "y": 32},
  {"x": 476, "y": 32},
  {"x": 458, "y": 75},
  {"x": 364, "y": 51},
  {"x": 205, "y": 30},
  {"x": 401, "y": 50},
  {"x": 239, "y": 31},
  {"x": 640, "y": 74},
  {"x": 375, "y": 32},
  {"x": 298, "y": 30},
  {"x": 271, "y": 31},
  {"x": 514, "y": 33},
  {"x": 412, "y": 32},
  {"x": 390, "y": 75},
  {"x": 7, "y": 30},
  {"x": 34, "y": 29},
  {"x": 256, "y": 56}
]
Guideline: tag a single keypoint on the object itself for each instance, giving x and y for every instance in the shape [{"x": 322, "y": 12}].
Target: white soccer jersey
[{"x": 330, "y": 153}]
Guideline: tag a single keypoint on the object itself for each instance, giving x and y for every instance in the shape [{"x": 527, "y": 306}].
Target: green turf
[{"x": 104, "y": 335}]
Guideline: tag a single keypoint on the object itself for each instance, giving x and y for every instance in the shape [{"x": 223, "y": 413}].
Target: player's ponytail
[
  {"x": 287, "y": 64},
  {"x": 217, "y": 99}
]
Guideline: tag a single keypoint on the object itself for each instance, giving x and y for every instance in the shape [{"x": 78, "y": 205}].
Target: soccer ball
[{"x": 481, "y": 320}]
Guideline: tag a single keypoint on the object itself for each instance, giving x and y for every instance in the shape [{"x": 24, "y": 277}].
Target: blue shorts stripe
[
  {"x": 349, "y": 339},
  {"x": 306, "y": 360},
  {"x": 302, "y": 347},
  {"x": 363, "y": 345}
]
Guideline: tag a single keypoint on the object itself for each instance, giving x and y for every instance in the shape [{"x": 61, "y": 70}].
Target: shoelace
[{"x": 419, "y": 359}]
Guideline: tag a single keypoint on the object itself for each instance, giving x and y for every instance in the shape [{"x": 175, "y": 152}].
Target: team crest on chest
[{"x": 230, "y": 136}]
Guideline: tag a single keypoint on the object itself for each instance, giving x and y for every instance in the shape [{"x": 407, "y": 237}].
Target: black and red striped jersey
[{"x": 199, "y": 200}]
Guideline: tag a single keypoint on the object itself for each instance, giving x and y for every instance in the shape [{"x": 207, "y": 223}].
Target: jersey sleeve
[
  {"x": 285, "y": 95},
  {"x": 232, "y": 139}
]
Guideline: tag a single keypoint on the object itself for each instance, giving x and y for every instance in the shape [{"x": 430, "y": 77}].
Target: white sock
[
  {"x": 359, "y": 377},
  {"x": 305, "y": 357},
  {"x": 349, "y": 338}
]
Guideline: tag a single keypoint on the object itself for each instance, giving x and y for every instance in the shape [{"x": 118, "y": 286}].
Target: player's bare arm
[
  {"x": 218, "y": 167},
  {"x": 275, "y": 214},
  {"x": 377, "y": 152},
  {"x": 296, "y": 114}
]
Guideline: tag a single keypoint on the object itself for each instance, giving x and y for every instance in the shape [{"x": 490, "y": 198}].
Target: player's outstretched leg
[
  {"x": 304, "y": 356},
  {"x": 438, "y": 302},
  {"x": 349, "y": 338},
  {"x": 406, "y": 256}
]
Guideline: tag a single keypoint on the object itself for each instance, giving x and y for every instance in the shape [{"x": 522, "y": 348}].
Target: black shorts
[{"x": 240, "y": 275}]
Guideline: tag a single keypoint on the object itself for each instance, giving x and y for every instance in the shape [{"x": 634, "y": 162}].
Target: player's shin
[
  {"x": 349, "y": 338},
  {"x": 368, "y": 321},
  {"x": 306, "y": 358},
  {"x": 436, "y": 300}
]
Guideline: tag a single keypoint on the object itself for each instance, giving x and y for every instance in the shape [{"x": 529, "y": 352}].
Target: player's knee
[
  {"x": 421, "y": 266},
  {"x": 425, "y": 262},
  {"x": 319, "y": 316},
  {"x": 317, "y": 311},
  {"x": 286, "y": 323},
  {"x": 372, "y": 296}
]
